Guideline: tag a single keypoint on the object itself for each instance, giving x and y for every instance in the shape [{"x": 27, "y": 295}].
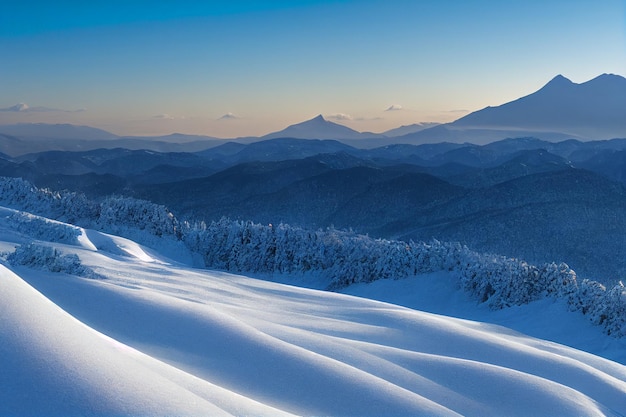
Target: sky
[{"x": 248, "y": 68}]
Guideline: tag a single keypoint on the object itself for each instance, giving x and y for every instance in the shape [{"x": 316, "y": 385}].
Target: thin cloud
[
  {"x": 25, "y": 108},
  {"x": 339, "y": 116},
  {"x": 394, "y": 107},
  {"x": 166, "y": 116},
  {"x": 20, "y": 107}
]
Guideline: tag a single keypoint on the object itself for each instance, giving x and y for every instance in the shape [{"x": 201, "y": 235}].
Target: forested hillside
[{"x": 341, "y": 258}]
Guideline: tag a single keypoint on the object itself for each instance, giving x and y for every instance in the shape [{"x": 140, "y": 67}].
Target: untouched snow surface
[
  {"x": 544, "y": 319},
  {"x": 153, "y": 337}
]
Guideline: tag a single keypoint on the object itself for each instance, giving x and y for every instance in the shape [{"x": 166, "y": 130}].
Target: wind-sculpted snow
[
  {"x": 54, "y": 365},
  {"x": 159, "y": 339}
]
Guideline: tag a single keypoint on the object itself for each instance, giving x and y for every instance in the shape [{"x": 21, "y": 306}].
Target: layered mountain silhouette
[
  {"x": 405, "y": 130},
  {"x": 594, "y": 109},
  {"x": 45, "y": 131},
  {"x": 524, "y": 197},
  {"x": 541, "y": 194},
  {"x": 560, "y": 110}
]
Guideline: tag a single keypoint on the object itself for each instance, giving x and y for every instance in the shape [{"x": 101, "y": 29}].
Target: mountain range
[
  {"x": 407, "y": 129},
  {"x": 471, "y": 263},
  {"x": 560, "y": 110},
  {"x": 593, "y": 109},
  {"x": 518, "y": 187}
]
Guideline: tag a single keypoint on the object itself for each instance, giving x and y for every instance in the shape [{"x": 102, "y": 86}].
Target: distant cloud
[
  {"x": 20, "y": 107},
  {"x": 394, "y": 107},
  {"x": 165, "y": 116},
  {"x": 339, "y": 116},
  {"x": 25, "y": 108},
  {"x": 458, "y": 111},
  {"x": 229, "y": 116},
  {"x": 365, "y": 119}
]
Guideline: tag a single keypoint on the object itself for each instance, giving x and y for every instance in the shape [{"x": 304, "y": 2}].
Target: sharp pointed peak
[
  {"x": 316, "y": 128},
  {"x": 560, "y": 80},
  {"x": 560, "y": 77},
  {"x": 318, "y": 118}
]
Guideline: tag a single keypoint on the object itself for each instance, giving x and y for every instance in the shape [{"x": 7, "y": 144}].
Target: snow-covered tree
[
  {"x": 48, "y": 258},
  {"x": 343, "y": 257}
]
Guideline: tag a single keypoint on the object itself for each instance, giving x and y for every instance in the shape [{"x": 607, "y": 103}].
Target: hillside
[
  {"x": 158, "y": 328},
  {"x": 518, "y": 188},
  {"x": 535, "y": 206}
]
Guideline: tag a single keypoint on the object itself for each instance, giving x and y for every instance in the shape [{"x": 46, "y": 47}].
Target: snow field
[
  {"x": 54, "y": 365},
  {"x": 157, "y": 338}
]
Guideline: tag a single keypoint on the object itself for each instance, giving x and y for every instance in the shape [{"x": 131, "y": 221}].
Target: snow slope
[
  {"x": 547, "y": 318},
  {"x": 153, "y": 337}
]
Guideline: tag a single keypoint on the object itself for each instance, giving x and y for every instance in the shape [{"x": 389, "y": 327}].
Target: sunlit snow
[{"x": 149, "y": 336}]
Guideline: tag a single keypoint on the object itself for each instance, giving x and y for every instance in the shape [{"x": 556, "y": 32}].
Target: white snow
[
  {"x": 545, "y": 319},
  {"x": 157, "y": 338}
]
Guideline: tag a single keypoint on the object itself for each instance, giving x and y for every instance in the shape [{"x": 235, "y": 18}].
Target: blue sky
[{"x": 151, "y": 67}]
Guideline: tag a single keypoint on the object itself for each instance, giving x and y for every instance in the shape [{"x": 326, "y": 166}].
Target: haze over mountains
[
  {"x": 593, "y": 109},
  {"x": 319, "y": 128},
  {"x": 560, "y": 110},
  {"x": 518, "y": 188}
]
